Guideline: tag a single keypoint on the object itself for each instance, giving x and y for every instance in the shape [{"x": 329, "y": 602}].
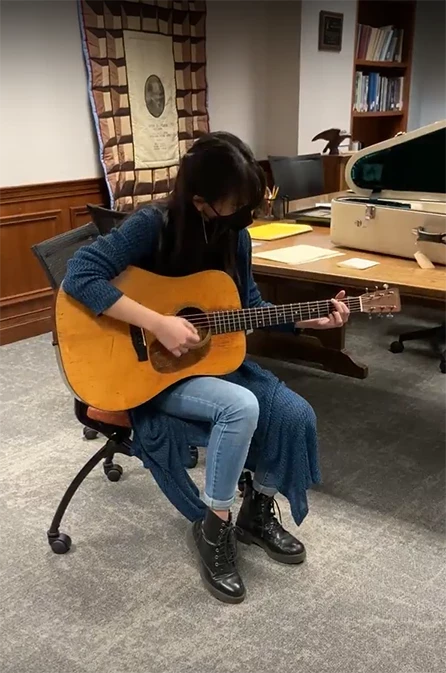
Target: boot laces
[
  {"x": 226, "y": 547},
  {"x": 272, "y": 514}
]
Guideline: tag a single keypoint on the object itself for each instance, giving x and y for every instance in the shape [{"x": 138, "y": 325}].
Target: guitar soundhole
[
  {"x": 198, "y": 319},
  {"x": 164, "y": 362}
]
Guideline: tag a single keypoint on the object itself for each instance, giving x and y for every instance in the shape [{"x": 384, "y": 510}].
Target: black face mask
[{"x": 237, "y": 221}]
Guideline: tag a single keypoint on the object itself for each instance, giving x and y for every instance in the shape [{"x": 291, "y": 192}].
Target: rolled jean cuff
[
  {"x": 270, "y": 491},
  {"x": 212, "y": 503}
]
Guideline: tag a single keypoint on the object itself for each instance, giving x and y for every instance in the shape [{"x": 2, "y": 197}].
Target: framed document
[{"x": 330, "y": 31}]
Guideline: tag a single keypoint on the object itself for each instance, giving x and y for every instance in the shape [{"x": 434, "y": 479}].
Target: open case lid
[{"x": 411, "y": 166}]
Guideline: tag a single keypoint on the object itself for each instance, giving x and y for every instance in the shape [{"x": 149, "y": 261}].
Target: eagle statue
[{"x": 334, "y": 138}]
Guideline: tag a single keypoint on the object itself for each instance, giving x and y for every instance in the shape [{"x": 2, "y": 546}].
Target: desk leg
[
  {"x": 323, "y": 347},
  {"x": 327, "y": 347}
]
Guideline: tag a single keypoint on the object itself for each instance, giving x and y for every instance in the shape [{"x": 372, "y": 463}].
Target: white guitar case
[{"x": 399, "y": 201}]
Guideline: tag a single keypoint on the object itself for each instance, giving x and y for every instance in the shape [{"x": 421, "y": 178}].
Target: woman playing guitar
[{"x": 202, "y": 227}]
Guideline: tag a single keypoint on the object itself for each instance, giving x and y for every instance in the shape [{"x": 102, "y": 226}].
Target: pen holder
[
  {"x": 279, "y": 208},
  {"x": 266, "y": 209},
  {"x": 271, "y": 208}
]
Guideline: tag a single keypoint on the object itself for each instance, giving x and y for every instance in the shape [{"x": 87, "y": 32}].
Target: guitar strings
[
  {"x": 279, "y": 307},
  {"x": 246, "y": 312},
  {"x": 252, "y": 313},
  {"x": 232, "y": 324}
]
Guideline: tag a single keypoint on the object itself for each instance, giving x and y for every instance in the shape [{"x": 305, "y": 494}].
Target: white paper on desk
[
  {"x": 298, "y": 254},
  {"x": 358, "y": 263}
]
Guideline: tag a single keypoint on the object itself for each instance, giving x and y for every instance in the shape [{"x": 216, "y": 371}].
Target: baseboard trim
[
  {"x": 29, "y": 325},
  {"x": 26, "y": 315}
]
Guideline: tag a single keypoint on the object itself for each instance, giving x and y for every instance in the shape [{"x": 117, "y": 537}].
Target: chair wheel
[
  {"x": 60, "y": 544},
  {"x": 193, "y": 456},
  {"x": 113, "y": 472},
  {"x": 396, "y": 347},
  {"x": 443, "y": 367},
  {"x": 241, "y": 483},
  {"x": 90, "y": 434}
]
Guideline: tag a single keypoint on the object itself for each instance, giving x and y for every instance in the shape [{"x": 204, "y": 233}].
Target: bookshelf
[{"x": 382, "y": 69}]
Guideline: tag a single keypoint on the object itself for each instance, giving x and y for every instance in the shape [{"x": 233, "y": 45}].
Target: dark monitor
[{"x": 298, "y": 177}]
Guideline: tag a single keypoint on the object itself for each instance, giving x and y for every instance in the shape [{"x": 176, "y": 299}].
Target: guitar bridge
[{"x": 139, "y": 343}]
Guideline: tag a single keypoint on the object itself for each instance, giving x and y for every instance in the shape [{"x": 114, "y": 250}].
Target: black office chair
[
  {"x": 298, "y": 157},
  {"x": 106, "y": 219},
  {"x": 297, "y": 177},
  {"x": 437, "y": 335},
  {"x": 53, "y": 255}
]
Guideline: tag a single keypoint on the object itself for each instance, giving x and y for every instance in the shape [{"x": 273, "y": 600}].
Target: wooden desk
[{"x": 282, "y": 283}]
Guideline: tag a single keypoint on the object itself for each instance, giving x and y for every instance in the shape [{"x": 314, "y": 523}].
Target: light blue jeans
[{"x": 233, "y": 413}]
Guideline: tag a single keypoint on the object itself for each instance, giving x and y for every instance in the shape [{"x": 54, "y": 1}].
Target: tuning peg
[
  {"x": 389, "y": 315},
  {"x": 385, "y": 286}
]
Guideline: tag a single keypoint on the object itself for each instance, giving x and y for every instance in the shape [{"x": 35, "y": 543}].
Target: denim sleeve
[{"x": 92, "y": 267}]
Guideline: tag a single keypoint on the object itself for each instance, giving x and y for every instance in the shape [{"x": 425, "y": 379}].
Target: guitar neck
[{"x": 223, "y": 322}]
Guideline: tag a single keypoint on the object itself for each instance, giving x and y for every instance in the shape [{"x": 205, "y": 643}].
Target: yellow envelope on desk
[{"x": 275, "y": 230}]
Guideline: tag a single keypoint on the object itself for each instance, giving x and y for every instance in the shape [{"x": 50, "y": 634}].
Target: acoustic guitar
[{"x": 113, "y": 366}]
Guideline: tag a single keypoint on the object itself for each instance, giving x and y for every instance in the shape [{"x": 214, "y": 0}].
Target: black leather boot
[
  {"x": 257, "y": 524},
  {"x": 216, "y": 543}
]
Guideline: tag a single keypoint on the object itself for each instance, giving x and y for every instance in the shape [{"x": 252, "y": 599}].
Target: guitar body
[{"x": 105, "y": 369}]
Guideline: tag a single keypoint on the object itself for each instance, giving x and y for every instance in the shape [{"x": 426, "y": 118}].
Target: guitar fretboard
[{"x": 223, "y": 322}]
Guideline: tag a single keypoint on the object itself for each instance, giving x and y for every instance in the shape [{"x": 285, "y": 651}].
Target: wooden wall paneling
[
  {"x": 19, "y": 196},
  {"x": 25, "y": 295},
  {"x": 30, "y": 214},
  {"x": 79, "y": 215},
  {"x": 17, "y": 234}
]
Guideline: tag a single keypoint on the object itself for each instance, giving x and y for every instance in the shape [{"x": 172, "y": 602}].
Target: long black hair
[{"x": 218, "y": 166}]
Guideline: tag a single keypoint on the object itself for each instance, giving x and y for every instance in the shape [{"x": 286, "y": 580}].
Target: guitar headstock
[{"x": 385, "y": 301}]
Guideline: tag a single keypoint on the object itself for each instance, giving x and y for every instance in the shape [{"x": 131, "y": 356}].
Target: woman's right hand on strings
[{"x": 176, "y": 334}]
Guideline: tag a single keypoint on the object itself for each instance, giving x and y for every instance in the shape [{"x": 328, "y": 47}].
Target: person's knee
[
  {"x": 250, "y": 410},
  {"x": 306, "y": 410},
  {"x": 243, "y": 409},
  {"x": 309, "y": 416},
  {"x": 302, "y": 413}
]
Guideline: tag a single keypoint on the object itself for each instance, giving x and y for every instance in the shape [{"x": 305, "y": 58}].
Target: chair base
[
  {"x": 118, "y": 441},
  {"x": 435, "y": 334},
  {"x": 241, "y": 482},
  {"x": 193, "y": 450},
  {"x": 60, "y": 543},
  {"x": 90, "y": 434}
]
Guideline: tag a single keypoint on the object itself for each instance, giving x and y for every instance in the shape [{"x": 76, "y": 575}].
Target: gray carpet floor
[{"x": 127, "y": 599}]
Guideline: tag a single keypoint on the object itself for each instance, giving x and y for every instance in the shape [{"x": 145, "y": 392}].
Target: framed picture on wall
[{"x": 330, "y": 31}]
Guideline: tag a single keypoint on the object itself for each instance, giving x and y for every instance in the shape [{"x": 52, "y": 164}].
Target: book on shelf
[
  {"x": 379, "y": 44},
  {"x": 377, "y": 93}
]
